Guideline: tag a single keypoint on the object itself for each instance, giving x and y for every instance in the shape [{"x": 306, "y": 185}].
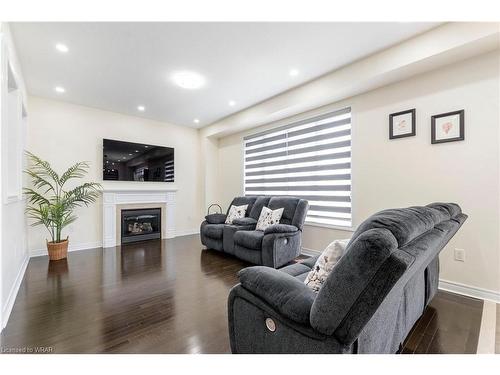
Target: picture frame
[
  {"x": 448, "y": 127},
  {"x": 402, "y": 124}
]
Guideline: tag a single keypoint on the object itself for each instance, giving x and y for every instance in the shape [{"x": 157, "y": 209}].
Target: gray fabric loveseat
[
  {"x": 274, "y": 247},
  {"x": 212, "y": 233},
  {"x": 369, "y": 302}
]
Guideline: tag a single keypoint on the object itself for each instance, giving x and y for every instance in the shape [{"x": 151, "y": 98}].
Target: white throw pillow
[
  {"x": 268, "y": 217},
  {"x": 236, "y": 212},
  {"x": 325, "y": 263}
]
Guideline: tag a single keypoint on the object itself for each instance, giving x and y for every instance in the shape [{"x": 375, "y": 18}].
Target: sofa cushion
[
  {"x": 405, "y": 224},
  {"x": 302, "y": 277},
  {"x": 296, "y": 269},
  {"x": 352, "y": 274},
  {"x": 240, "y": 201},
  {"x": 310, "y": 262},
  {"x": 289, "y": 205},
  {"x": 257, "y": 207},
  {"x": 281, "y": 228},
  {"x": 448, "y": 209},
  {"x": 251, "y": 239},
  {"x": 214, "y": 230},
  {"x": 283, "y": 292},
  {"x": 245, "y": 221},
  {"x": 299, "y": 217}
]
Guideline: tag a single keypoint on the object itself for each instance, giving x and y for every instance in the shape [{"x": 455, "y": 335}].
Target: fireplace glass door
[{"x": 141, "y": 224}]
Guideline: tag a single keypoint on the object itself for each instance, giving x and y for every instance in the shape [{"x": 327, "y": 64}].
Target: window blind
[
  {"x": 169, "y": 171},
  {"x": 309, "y": 159}
]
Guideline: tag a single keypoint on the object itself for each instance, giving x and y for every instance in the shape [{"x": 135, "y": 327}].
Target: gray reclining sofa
[
  {"x": 274, "y": 247},
  {"x": 212, "y": 233},
  {"x": 369, "y": 302}
]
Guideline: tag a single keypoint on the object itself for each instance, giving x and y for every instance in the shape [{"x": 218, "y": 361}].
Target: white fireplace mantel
[{"x": 111, "y": 197}]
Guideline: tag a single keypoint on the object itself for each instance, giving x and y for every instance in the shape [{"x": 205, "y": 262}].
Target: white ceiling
[{"x": 118, "y": 66}]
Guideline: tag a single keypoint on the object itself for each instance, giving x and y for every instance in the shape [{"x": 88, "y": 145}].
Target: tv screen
[{"x": 126, "y": 161}]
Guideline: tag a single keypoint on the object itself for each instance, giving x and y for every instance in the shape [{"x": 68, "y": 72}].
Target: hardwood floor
[
  {"x": 450, "y": 324},
  {"x": 169, "y": 297}
]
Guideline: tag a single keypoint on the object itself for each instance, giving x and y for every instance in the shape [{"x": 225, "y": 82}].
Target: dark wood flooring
[
  {"x": 169, "y": 297},
  {"x": 449, "y": 325}
]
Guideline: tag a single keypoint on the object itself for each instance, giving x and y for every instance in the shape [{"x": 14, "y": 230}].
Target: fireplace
[{"x": 140, "y": 224}]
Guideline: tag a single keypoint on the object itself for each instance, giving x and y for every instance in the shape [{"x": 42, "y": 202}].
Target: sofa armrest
[
  {"x": 283, "y": 292},
  {"x": 281, "y": 228},
  {"x": 216, "y": 218},
  {"x": 245, "y": 221}
]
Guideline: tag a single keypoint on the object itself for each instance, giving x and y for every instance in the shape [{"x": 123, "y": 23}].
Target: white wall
[
  {"x": 64, "y": 133},
  {"x": 410, "y": 171},
  {"x": 14, "y": 255},
  {"x": 441, "y": 46}
]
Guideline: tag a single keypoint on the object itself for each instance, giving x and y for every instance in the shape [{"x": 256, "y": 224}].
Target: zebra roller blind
[{"x": 309, "y": 159}]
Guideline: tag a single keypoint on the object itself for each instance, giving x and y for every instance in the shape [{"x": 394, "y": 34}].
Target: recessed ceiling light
[
  {"x": 294, "y": 72},
  {"x": 136, "y": 150},
  {"x": 130, "y": 154},
  {"x": 141, "y": 108},
  {"x": 60, "y": 89},
  {"x": 232, "y": 103},
  {"x": 196, "y": 121},
  {"x": 188, "y": 80},
  {"x": 62, "y": 47}
]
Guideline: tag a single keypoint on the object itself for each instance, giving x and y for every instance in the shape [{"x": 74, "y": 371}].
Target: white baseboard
[
  {"x": 187, "y": 232},
  {"x": 310, "y": 252},
  {"x": 72, "y": 247},
  {"x": 13, "y": 293},
  {"x": 97, "y": 244},
  {"x": 470, "y": 291}
]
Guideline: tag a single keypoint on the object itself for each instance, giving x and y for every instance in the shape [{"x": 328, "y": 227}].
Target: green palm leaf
[
  {"x": 48, "y": 203},
  {"x": 42, "y": 168},
  {"x": 78, "y": 170}
]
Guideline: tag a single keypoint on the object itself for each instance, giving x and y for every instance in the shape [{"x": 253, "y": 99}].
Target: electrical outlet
[{"x": 460, "y": 255}]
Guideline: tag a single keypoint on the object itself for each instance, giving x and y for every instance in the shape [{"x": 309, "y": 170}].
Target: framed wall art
[
  {"x": 402, "y": 124},
  {"x": 448, "y": 127}
]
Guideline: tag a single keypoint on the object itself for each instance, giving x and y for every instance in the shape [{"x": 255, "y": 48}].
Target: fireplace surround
[{"x": 118, "y": 199}]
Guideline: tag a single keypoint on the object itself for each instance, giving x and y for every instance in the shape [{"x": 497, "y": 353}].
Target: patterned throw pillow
[
  {"x": 325, "y": 263},
  {"x": 268, "y": 217},
  {"x": 236, "y": 212}
]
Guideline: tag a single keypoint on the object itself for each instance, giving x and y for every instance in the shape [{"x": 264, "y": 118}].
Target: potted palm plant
[{"x": 51, "y": 205}]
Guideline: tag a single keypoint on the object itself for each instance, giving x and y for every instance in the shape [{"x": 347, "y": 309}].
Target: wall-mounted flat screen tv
[{"x": 126, "y": 161}]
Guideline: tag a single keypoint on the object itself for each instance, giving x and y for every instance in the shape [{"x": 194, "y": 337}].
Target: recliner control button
[{"x": 270, "y": 324}]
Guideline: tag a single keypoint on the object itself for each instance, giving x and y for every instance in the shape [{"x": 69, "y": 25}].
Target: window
[{"x": 309, "y": 159}]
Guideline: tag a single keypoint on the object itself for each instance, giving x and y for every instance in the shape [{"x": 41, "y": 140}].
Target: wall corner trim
[{"x": 7, "y": 309}]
